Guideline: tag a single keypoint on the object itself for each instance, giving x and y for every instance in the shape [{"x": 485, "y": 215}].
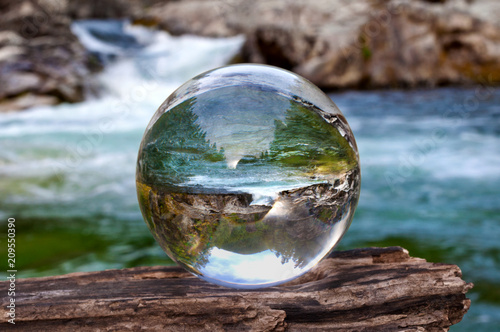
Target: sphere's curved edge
[
  {"x": 231, "y": 224},
  {"x": 266, "y": 75},
  {"x": 274, "y": 78}
]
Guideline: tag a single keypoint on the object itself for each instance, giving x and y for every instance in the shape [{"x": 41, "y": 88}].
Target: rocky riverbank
[
  {"x": 336, "y": 44},
  {"x": 41, "y": 60},
  {"x": 354, "y": 44}
]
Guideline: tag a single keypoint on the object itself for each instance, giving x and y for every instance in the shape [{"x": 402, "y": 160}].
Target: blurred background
[{"x": 418, "y": 82}]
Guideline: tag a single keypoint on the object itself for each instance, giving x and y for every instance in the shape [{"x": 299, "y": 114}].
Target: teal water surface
[
  {"x": 437, "y": 196},
  {"x": 429, "y": 162}
]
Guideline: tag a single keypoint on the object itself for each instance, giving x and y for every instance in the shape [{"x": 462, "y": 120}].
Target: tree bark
[{"x": 357, "y": 290}]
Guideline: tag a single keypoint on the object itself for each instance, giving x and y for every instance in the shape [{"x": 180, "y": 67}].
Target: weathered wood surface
[{"x": 357, "y": 290}]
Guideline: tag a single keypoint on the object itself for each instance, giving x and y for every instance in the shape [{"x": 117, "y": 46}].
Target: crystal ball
[{"x": 248, "y": 175}]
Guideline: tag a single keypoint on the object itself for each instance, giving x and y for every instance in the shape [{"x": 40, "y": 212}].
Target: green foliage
[
  {"x": 365, "y": 49},
  {"x": 143, "y": 192},
  {"x": 366, "y": 52},
  {"x": 234, "y": 234},
  {"x": 325, "y": 215},
  {"x": 178, "y": 149},
  {"x": 306, "y": 139},
  {"x": 174, "y": 146},
  {"x": 187, "y": 239}
]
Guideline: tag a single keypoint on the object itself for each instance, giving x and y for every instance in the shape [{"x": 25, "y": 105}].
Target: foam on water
[
  {"x": 96, "y": 141},
  {"x": 431, "y": 181},
  {"x": 447, "y": 205}
]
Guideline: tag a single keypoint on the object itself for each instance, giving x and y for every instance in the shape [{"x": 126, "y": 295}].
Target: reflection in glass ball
[{"x": 248, "y": 175}]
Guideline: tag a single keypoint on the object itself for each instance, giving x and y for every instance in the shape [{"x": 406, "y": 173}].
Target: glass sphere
[{"x": 248, "y": 175}]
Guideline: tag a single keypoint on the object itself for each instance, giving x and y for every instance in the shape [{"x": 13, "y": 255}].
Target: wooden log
[{"x": 357, "y": 290}]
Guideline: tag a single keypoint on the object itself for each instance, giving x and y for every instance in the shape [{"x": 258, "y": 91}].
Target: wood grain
[{"x": 367, "y": 289}]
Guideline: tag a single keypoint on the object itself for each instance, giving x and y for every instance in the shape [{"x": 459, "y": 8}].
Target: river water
[{"x": 430, "y": 164}]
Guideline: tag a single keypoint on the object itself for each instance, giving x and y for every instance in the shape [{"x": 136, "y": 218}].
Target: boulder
[
  {"x": 335, "y": 44},
  {"x": 107, "y": 9},
  {"x": 347, "y": 44},
  {"x": 41, "y": 61}
]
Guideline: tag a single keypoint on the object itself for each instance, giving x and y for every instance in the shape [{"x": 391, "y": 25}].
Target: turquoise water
[
  {"x": 431, "y": 183},
  {"x": 429, "y": 161}
]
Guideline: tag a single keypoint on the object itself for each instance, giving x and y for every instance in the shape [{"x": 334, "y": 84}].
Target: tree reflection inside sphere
[{"x": 248, "y": 175}]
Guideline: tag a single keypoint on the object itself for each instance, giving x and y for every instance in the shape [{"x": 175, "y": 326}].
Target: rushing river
[{"x": 430, "y": 164}]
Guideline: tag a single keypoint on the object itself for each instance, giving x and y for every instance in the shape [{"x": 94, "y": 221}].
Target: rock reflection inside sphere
[{"x": 248, "y": 175}]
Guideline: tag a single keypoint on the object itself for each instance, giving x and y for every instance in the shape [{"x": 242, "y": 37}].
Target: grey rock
[
  {"x": 10, "y": 38},
  {"x": 25, "y": 101},
  {"x": 335, "y": 44},
  {"x": 342, "y": 44},
  {"x": 41, "y": 61},
  {"x": 19, "y": 82},
  {"x": 11, "y": 52}
]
